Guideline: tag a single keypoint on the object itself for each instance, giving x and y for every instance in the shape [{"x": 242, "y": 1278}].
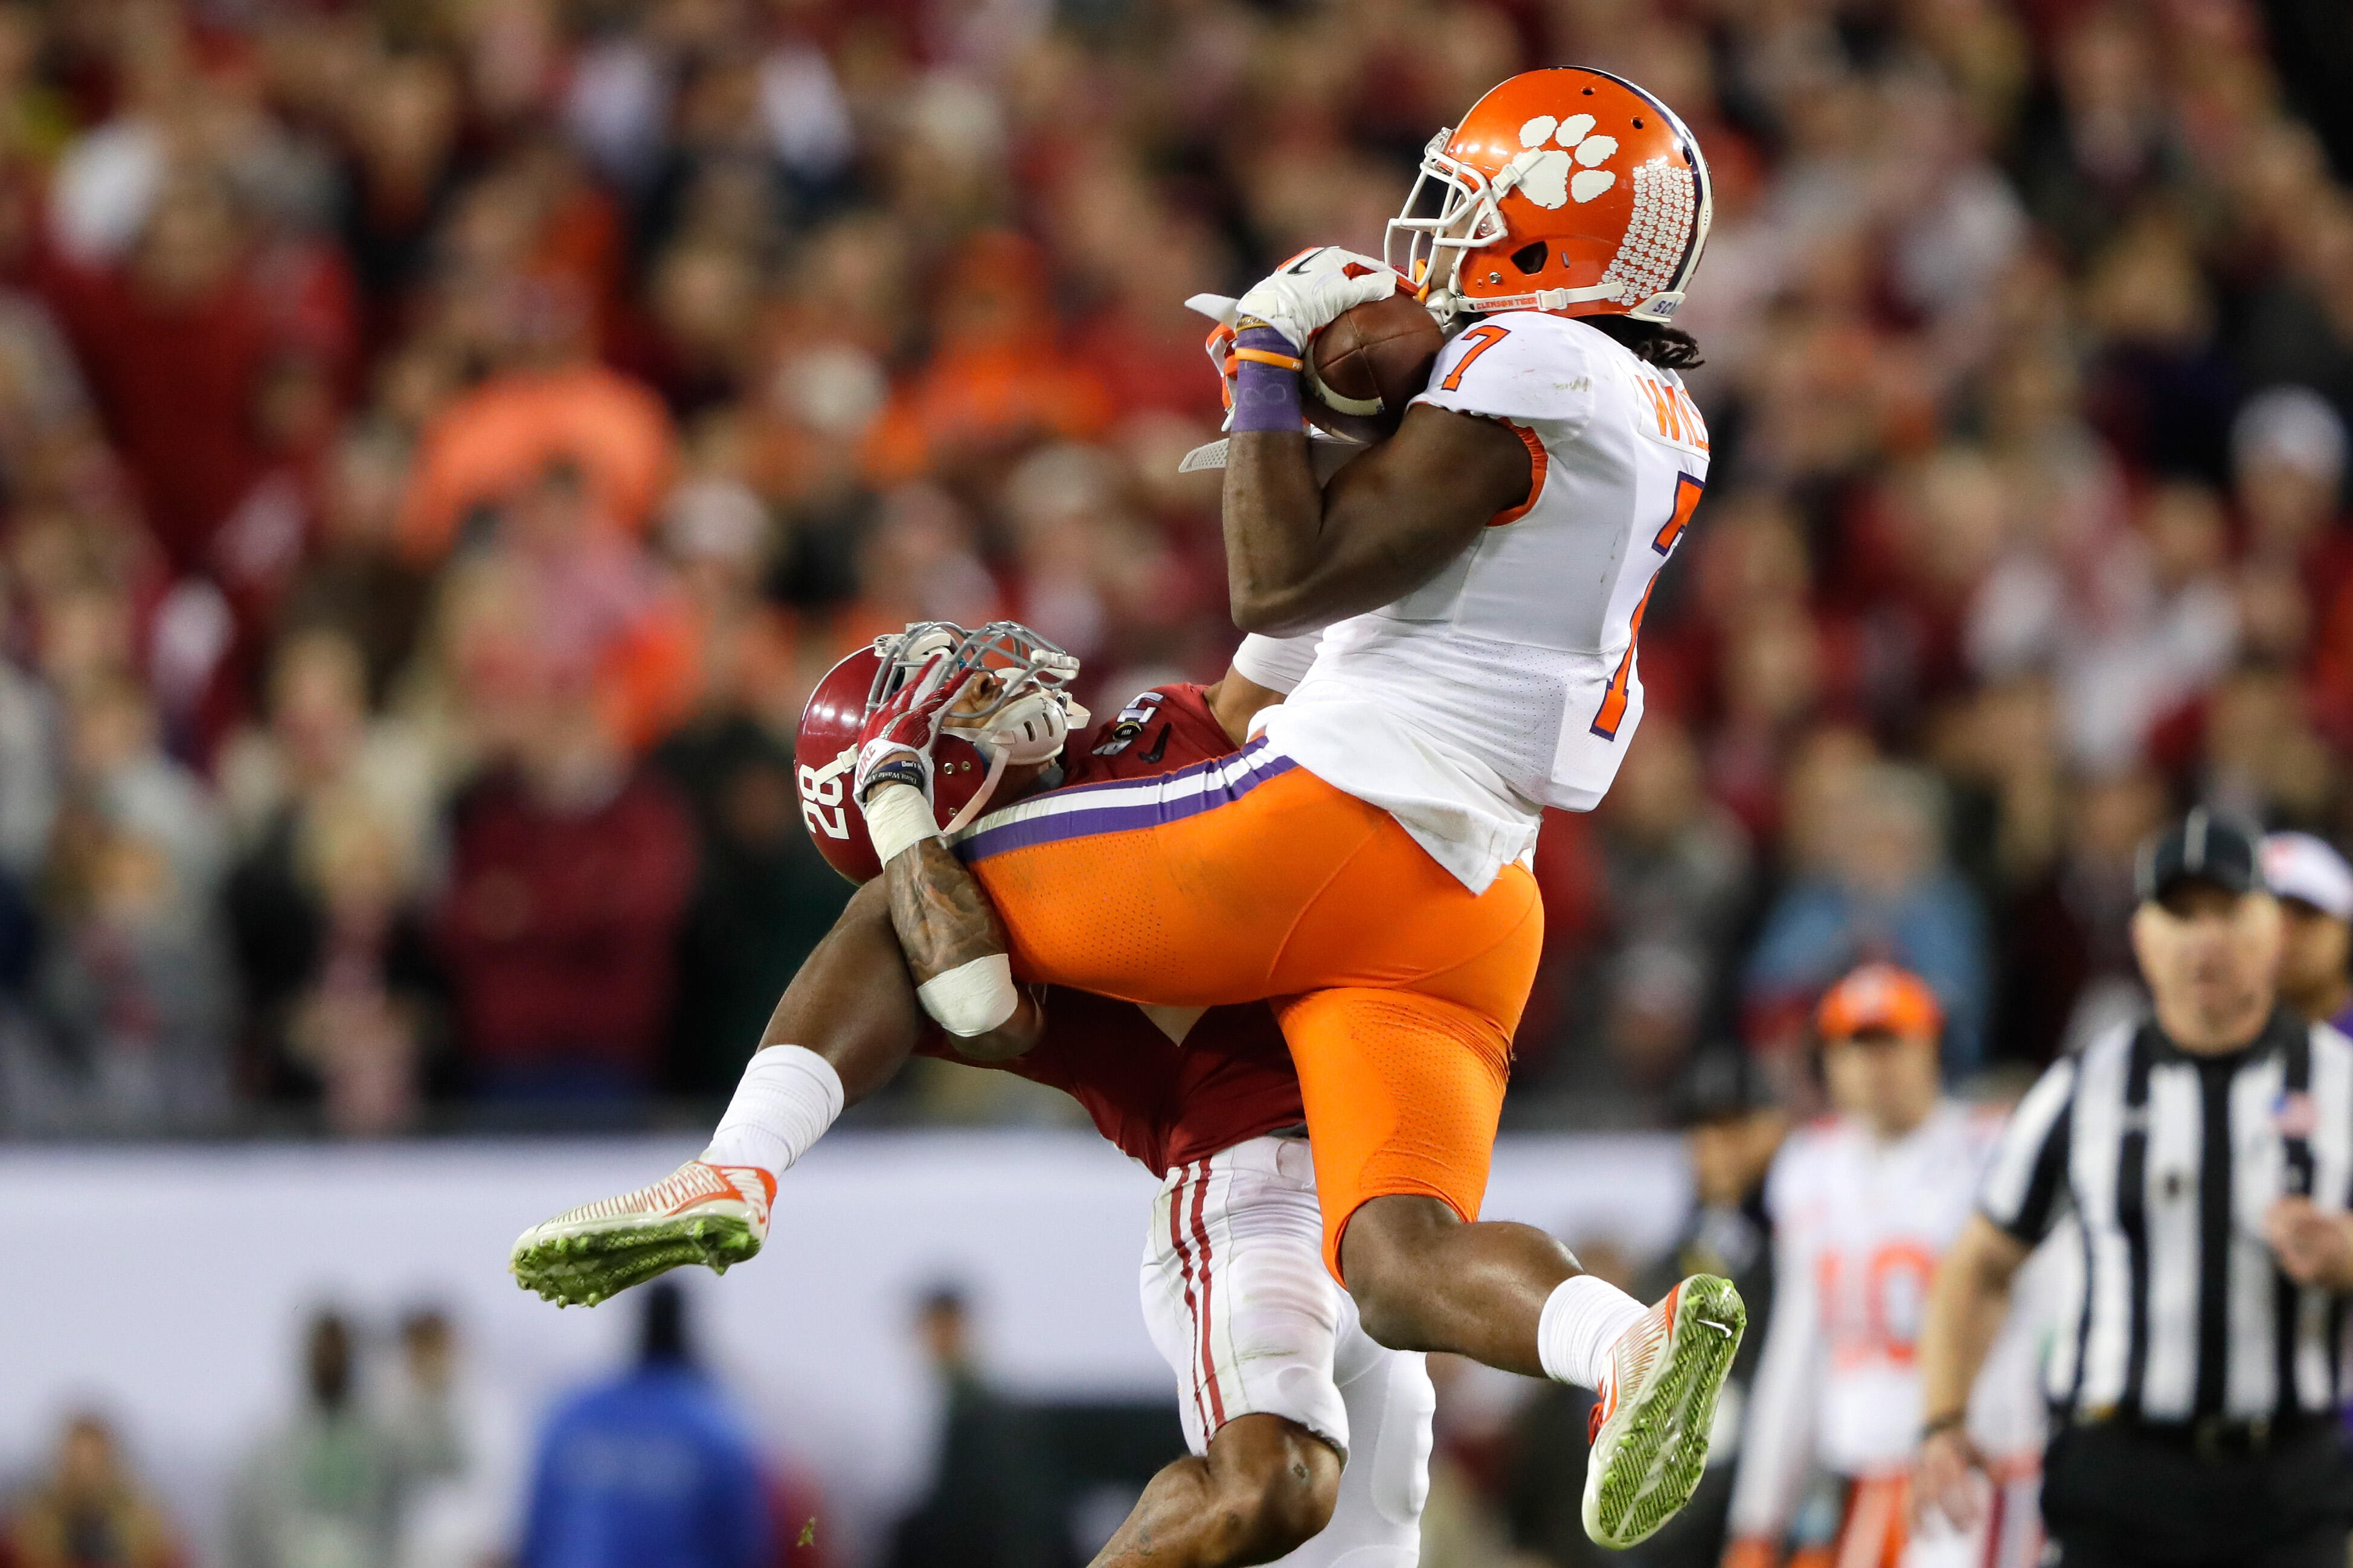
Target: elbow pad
[{"x": 972, "y": 998}]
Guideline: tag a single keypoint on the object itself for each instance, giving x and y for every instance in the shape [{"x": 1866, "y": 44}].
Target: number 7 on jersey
[
  {"x": 1481, "y": 340},
  {"x": 1613, "y": 699}
]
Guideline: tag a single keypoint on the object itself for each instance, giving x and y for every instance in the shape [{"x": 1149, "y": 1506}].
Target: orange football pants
[{"x": 1250, "y": 878}]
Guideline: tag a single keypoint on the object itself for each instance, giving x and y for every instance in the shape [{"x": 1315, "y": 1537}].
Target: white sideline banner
[{"x": 167, "y": 1286}]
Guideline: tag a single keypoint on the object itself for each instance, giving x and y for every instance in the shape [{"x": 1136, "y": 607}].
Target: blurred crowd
[{"x": 441, "y": 443}]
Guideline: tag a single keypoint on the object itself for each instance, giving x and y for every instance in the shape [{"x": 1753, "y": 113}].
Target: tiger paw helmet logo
[{"x": 1545, "y": 171}]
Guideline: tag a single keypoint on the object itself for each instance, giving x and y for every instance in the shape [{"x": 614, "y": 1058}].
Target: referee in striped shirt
[{"x": 2204, "y": 1160}]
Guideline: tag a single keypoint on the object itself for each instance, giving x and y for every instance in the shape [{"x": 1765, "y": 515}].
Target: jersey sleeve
[
  {"x": 1521, "y": 367},
  {"x": 2028, "y": 1174},
  {"x": 1279, "y": 664}
]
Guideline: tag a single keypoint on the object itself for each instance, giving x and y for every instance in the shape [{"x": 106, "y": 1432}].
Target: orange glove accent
[
  {"x": 1750, "y": 1551},
  {"x": 1219, "y": 345}
]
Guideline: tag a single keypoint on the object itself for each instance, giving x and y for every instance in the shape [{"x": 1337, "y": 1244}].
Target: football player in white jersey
[
  {"x": 1483, "y": 575},
  {"x": 1863, "y": 1204}
]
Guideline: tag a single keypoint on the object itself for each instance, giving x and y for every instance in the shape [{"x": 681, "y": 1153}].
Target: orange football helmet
[{"x": 1568, "y": 190}]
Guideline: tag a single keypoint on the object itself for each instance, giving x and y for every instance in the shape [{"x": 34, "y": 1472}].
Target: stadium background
[{"x": 440, "y": 444}]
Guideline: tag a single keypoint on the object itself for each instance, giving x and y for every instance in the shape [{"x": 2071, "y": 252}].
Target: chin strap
[
  {"x": 1446, "y": 304},
  {"x": 1542, "y": 298},
  {"x": 973, "y": 807}
]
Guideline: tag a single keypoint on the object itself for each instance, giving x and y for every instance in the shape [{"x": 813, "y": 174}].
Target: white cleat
[
  {"x": 713, "y": 1214},
  {"x": 1651, "y": 1428}
]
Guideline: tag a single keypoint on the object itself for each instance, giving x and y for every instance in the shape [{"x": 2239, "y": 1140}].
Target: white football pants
[{"x": 1240, "y": 1305}]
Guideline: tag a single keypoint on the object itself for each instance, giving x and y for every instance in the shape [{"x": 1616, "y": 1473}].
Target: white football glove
[
  {"x": 1220, "y": 344},
  {"x": 1314, "y": 289},
  {"x": 1218, "y": 308}
]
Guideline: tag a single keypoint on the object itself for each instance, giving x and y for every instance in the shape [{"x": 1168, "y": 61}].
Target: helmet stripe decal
[{"x": 1705, "y": 195}]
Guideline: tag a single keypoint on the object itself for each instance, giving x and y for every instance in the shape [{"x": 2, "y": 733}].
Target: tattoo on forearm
[{"x": 944, "y": 919}]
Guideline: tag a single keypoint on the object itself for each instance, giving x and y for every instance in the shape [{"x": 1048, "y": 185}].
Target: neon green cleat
[
  {"x": 712, "y": 1215},
  {"x": 1650, "y": 1431}
]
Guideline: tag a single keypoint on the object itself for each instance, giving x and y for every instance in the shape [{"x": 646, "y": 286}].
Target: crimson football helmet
[
  {"x": 1021, "y": 717},
  {"x": 1566, "y": 190}
]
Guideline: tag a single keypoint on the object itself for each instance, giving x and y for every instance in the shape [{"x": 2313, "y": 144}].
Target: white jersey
[
  {"x": 1859, "y": 1227},
  {"x": 1507, "y": 683}
]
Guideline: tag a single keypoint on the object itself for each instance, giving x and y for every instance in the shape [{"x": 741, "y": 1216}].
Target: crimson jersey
[{"x": 1171, "y": 1085}]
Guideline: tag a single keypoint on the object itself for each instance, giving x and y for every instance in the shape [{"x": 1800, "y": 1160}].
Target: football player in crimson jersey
[
  {"x": 1480, "y": 579},
  {"x": 1275, "y": 1376},
  {"x": 1277, "y": 1382}
]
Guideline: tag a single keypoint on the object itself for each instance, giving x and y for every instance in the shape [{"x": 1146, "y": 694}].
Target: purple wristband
[{"x": 1266, "y": 397}]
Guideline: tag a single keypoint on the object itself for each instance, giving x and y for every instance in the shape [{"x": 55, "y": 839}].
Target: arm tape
[
  {"x": 972, "y": 998},
  {"x": 898, "y": 819}
]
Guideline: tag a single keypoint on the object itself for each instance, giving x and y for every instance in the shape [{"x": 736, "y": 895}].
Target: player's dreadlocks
[{"x": 1669, "y": 348}]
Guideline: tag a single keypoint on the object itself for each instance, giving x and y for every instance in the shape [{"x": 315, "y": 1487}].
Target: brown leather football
[{"x": 1365, "y": 367}]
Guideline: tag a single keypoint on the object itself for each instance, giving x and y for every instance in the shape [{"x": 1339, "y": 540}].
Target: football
[{"x": 1363, "y": 368}]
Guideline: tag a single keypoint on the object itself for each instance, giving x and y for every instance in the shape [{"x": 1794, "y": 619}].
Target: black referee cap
[
  {"x": 2202, "y": 847},
  {"x": 1720, "y": 1082}
]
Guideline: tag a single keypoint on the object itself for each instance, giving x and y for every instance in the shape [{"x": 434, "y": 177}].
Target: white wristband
[
  {"x": 972, "y": 998},
  {"x": 898, "y": 817}
]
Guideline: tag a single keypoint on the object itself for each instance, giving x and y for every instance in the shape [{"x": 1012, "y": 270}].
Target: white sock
[
  {"x": 788, "y": 1096},
  {"x": 1582, "y": 1319}
]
